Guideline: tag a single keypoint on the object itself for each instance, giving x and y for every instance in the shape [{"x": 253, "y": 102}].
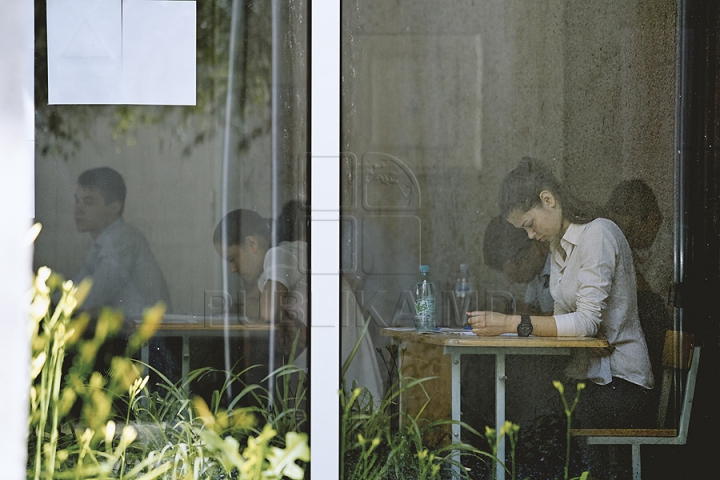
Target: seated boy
[{"x": 508, "y": 250}]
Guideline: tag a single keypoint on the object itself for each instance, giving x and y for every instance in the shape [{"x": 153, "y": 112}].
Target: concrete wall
[{"x": 620, "y": 78}]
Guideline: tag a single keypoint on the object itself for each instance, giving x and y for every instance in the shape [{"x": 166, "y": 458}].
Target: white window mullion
[
  {"x": 325, "y": 243},
  {"x": 16, "y": 201}
]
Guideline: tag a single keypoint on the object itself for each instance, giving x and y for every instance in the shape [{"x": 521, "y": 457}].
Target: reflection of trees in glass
[{"x": 60, "y": 129}]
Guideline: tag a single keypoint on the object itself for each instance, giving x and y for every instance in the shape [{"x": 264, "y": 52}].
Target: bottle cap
[{"x": 424, "y": 268}]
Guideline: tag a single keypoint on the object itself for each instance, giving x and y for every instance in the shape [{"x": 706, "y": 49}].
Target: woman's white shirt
[{"x": 592, "y": 281}]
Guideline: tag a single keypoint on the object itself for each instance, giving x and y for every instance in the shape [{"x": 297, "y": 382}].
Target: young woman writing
[{"x": 592, "y": 282}]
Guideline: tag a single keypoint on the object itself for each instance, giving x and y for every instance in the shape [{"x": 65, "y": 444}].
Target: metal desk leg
[
  {"x": 145, "y": 357},
  {"x": 185, "y": 356},
  {"x": 500, "y": 410},
  {"x": 455, "y": 386},
  {"x": 636, "y": 463}
]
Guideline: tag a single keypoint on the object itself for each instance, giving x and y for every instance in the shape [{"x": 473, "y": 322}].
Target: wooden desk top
[{"x": 458, "y": 337}]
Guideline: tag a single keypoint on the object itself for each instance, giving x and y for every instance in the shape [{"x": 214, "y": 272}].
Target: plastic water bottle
[
  {"x": 464, "y": 291},
  {"x": 424, "y": 302},
  {"x": 464, "y": 283}
]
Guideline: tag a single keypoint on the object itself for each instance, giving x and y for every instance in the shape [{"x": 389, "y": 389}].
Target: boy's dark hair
[
  {"x": 238, "y": 225},
  {"x": 108, "y": 182},
  {"x": 503, "y": 242}
]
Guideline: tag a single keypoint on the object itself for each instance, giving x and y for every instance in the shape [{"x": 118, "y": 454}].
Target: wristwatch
[{"x": 525, "y": 326}]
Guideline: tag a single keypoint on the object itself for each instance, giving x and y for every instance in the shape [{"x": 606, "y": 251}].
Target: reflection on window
[{"x": 144, "y": 201}]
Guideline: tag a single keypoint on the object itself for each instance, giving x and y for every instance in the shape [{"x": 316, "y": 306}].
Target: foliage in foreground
[{"x": 162, "y": 434}]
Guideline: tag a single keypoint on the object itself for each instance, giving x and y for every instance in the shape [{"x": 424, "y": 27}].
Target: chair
[{"x": 679, "y": 353}]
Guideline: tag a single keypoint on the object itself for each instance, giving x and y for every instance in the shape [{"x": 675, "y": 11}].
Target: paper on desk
[
  {"x": 454, "y": 331},
  {"x": 121, "y": 52},
  {"x": 439, "y": 330}
]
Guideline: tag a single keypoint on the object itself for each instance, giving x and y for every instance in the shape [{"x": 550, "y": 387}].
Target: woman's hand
[{"x": 489, "y": 324}]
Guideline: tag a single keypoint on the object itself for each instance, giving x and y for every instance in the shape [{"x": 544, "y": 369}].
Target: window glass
[
  {"x": 133, "y": 196},
  {"x": 439, "y": 106}
]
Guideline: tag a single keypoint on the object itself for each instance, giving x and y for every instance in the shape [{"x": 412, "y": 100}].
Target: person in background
[
  {"x": 279, "y": 271},
  {"x": 634, "y": 207},
  {"x": 125, "y": 274},
  {"x": 243, "y": 239},
  {"x": 592, "y": 281},
  {"x": 508, "y": 250},
  {"x": 291, "y": 233},
  {"x": 120, "y": 262}
]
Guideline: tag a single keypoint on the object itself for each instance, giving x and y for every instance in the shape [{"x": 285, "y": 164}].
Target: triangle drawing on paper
[{"x": 86, "y": 43}]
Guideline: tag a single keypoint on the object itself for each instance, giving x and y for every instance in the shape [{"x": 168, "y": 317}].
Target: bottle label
[
  {"x": 425, "y": 314},
  {"x": 425, "y": 306}
]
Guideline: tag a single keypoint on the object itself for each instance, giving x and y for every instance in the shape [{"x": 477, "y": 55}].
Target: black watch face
[{"x": 524, "y": 330}]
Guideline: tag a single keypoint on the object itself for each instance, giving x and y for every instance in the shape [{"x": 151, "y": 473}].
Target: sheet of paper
[
  {"x": 448, "y": 331},
  {"x": 121, "y": 52},
  {"x": 159, "y": 52},
  {"x": 84, "y": 44}
]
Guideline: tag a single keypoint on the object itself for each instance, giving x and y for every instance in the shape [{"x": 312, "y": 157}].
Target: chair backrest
[{"x": 678, "y": 355}]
